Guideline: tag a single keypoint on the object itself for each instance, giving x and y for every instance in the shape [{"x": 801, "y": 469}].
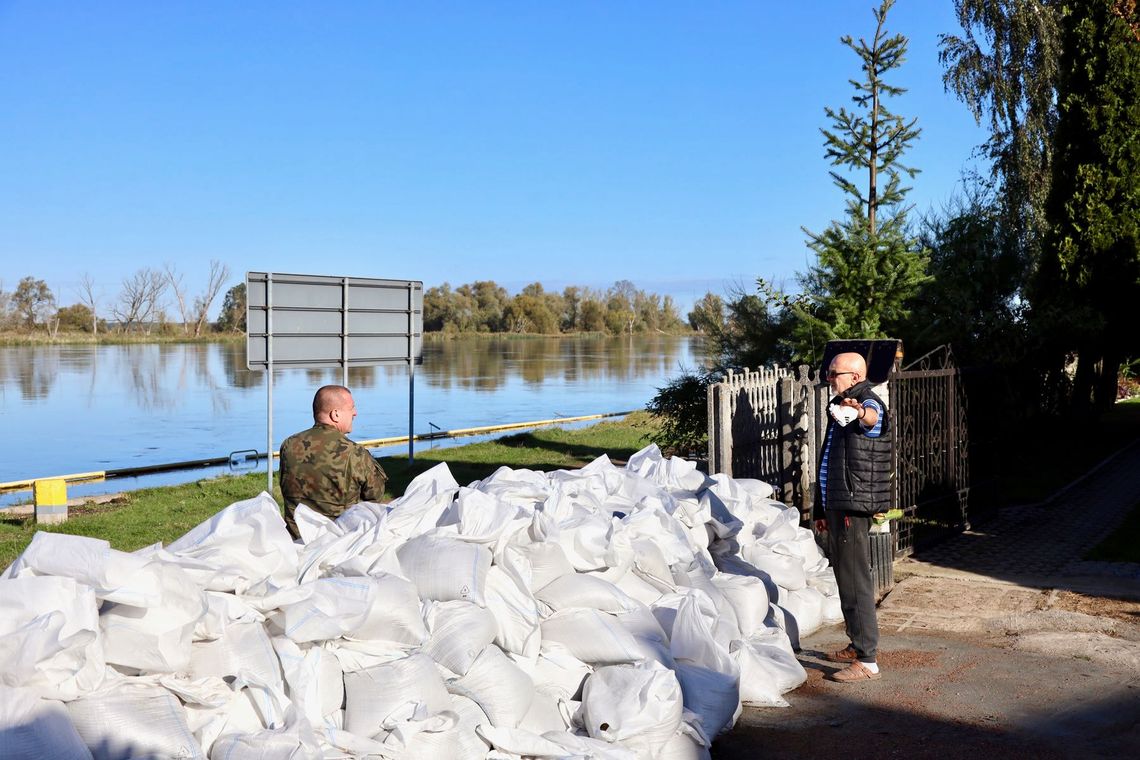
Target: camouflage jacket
[{"x": 322, "y": 469}]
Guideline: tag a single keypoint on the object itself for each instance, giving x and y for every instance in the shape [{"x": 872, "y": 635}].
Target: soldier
[{"x": 321, "y": 468}]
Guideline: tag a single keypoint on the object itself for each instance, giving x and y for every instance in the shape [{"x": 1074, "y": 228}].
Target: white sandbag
[
  {"x": 33, "y": 727},
  {"x": 156, "y": 638},
  {"x": 471, "y": 716},
  {"x": 806, "y": 606},
  {"x": 687, "y": 743},
  {"x": 424, "y": 502},
  {"x": 591, "y": 636},
  {"x": 382, "y": 607},
  {"x": 823, "y": 581},
  {"x": 674, "y": 472},
  {"x": 49, "y": 636},
  {"x": 355, "y": 544},
  {"x": 638, "y": 589},
  {"x": 748, "y": 597},
  {"x": 222, "y": 611},
  {"x": 758, "y": 682},
  {"x": 133, "y": 720},
  {"x": 638, "y": 707},
  {"x": 548, "y": 712},
  {"x": 516, "y": 742},
  {"x": 548, "y": 562},
  {"x": 372, "y": 695},
  {"x": 665, "y": 534},
  {"x": 497, "y": 685},
  {"x": 771, "y": 661},
  {"x": 426, "y": 738},
  {"x": 445, "y": 569},
  {"x": 516, "y": 613},
  {"x": 650, "y": 637},
  {"x": 286, "y": 734},
  {"x": 114, "y": 576},
  {"x": 458, "y": 633},
  {"x": 708, "y": 674},
  {"x": 523, "y": 489},
  {"x": 244, "y": 646},
  {"x": 713, "y": 695},
  {"x": 482, "y": 518},
  {"x": 579, "y": 590},
  {"x": 784, "y": 570},
  {"x": 245, "y": 548},
  {"x": 585, "y": 537},
  {"x": 558, "y": 668},
  {"x": 314, "y": 678}
]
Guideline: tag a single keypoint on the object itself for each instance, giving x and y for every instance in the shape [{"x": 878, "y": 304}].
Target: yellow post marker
[{"x": 51, "y": 500}]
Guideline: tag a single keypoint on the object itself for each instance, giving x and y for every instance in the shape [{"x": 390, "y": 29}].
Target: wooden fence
[{"x": 768, "y": 424}]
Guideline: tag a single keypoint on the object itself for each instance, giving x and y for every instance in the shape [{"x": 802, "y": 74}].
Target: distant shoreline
[{"x": 11, "y": 338}]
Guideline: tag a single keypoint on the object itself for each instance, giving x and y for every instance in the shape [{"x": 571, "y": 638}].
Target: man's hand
[{"x": 821, "y": 525}]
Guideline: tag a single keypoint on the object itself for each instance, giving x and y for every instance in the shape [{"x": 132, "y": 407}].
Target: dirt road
[{"x": 971, "y": 669}]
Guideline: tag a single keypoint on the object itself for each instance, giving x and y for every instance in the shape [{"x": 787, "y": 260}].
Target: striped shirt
[{"x": 871, "y": 432}]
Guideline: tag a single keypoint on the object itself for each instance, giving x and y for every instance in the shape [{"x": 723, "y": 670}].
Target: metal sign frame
[{"x": 321, "y": 321}]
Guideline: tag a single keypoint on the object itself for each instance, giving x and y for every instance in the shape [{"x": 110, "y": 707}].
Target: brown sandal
[
  {"x": 856, "y": 671},
  {"x": 845, "y": 655}
]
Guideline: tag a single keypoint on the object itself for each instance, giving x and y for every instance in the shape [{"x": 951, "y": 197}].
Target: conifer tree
[{"x": 869, "y": 264}]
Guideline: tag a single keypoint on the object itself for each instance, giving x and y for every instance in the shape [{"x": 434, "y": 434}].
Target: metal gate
[{"x": 932, "y": 464}]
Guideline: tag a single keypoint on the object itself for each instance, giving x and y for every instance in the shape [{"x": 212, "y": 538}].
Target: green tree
[
  {"x": 1089, "y": 279},
  {"x": 1004, "y": 68},
  {"x": 972, "y": 301},
  {"x": 232, "y": 316},
  {"x": 33, "y": 301},
  {"x": 707, "y": 314},
  {"x": 75, "y": 318},
  {"x": 868, "y": 266}
]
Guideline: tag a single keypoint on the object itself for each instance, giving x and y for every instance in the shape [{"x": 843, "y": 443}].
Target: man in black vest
[{"x": 853, "y": 486}]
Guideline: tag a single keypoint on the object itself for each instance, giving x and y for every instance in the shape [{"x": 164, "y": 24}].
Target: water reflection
[{"x": 487, "y": 364}]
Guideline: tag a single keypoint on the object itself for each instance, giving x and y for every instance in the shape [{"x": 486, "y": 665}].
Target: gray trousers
[{"x": 850, "y": 548}]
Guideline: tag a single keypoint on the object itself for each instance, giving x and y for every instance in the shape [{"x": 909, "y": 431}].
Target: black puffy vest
[{"x": 859, "y": 468}]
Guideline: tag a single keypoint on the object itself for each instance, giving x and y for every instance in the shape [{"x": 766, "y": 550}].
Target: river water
[{"x": 79, "y": 408}]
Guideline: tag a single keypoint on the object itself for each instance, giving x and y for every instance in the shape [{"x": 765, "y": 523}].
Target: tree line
[
  {"x": 486, "y": 307},
  {"x": 156, "y": 301},
  {"x": 149, "y": 300}
]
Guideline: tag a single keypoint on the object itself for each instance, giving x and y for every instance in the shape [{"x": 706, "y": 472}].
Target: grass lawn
[{"x": 140, "y": 518}]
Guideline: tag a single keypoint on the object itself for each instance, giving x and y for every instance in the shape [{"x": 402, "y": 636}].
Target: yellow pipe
[
  {"x": 459, "y": 432},
  {"x": 78, "y": 477}
]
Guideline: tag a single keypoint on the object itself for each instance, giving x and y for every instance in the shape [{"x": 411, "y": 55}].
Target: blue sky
[{"x": 674, "y": 144}]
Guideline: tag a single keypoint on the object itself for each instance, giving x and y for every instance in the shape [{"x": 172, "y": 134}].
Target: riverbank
[
  {"x": 21, "y": 338},
  {"x": 140, "y": 518}
]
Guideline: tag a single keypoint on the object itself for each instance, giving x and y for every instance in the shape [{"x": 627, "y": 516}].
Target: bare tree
[
  {"x": 219, "y": 273},
  {"x": 140, "y": 299},
  {"x": 174, "y": 280},
  {"x": 88, "y": 298}
]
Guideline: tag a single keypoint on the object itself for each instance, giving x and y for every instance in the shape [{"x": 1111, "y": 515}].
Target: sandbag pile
[{"x": 603, "y": 612}]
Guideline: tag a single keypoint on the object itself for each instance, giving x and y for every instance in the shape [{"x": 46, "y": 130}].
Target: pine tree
[{"x": 868, "y": 265}]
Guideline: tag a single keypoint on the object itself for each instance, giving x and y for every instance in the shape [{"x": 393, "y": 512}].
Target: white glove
[{"x": 844, "y": 415}]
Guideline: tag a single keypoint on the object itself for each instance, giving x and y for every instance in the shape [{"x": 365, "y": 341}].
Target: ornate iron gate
[{"x": 932, "y": 464}]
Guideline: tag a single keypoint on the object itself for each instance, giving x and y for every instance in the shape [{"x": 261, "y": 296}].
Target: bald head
[
  {"x": 846, "y": 370},
  {"x": 333, "y": 405}
]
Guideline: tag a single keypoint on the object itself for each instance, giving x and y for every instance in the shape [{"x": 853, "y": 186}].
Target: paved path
[{"x": 1042, "y": 545}]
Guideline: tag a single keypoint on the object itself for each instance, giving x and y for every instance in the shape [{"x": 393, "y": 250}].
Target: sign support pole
[
  {"x": 269, "y": 381},
  {"x": 411, "y": 373},
  {"x": 344, "y": 333}
]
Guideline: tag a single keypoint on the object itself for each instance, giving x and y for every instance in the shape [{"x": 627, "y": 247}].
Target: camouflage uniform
[{"x": 322, "y": 469}]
